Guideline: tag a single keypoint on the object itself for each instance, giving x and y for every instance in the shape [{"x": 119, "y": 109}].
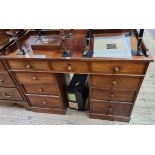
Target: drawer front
[
  {"x": 10, "y": 94},
  {"x": 119, "y": 67},
  {"x": 113, "y": 95},
  {"x": 62, "y": 66},
  {"x": 5, "y": 80},
  {"x": 44, "y": 89},
  {"x": 31, "y": 78},
  {"x": 45, "y": 102},
  {"x": 1, "y": 67},
  {"x": 107, "y": 108},
  {"x": 28, "y": 65},
  {"x": 118, "y": 82}
]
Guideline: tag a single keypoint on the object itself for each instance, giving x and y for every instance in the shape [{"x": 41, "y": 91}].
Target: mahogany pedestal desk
[{"x": 113, "y": 83}]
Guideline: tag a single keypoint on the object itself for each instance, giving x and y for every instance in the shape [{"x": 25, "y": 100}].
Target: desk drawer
[
  {"x": 108, "y": 108},
  {"x": 116, "y": 67},
  {"x": 118, "y": 82},
  {"x": 10, "y": 94},
  {"x": 28, "y": 65},
  {"x": 37, "y": 78},
  {"x": 44, "y": 89},
  {"x": 5, "y": 80},
  {"x": 72, "y": 66},
  {"x": 1, "y": 67},
  {"x": 113, "y": 95},
  {"x": 45, "y": 102}
]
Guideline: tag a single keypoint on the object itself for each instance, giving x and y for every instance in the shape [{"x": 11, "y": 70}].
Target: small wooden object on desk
[{"x": 113, "y": 83}]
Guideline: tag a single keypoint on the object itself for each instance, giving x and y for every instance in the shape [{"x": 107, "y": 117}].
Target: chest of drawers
[
  {"x": 113, "y": 92},
  {"x": 44, "y": 90},
  {"x": 9, "y": 89}
]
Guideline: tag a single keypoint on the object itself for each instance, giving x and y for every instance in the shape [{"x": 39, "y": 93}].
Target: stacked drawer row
[
  {"x": 79, "y": 66},
  {"x": 8, "y": 89},
  {"x": 44, "y": 90},
  {"x": 114, "y": 85},
  {"x": 113, "y": 93}
]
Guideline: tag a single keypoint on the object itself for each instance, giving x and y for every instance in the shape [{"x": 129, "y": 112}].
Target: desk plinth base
[
  {"x": 47, "y": 110},
  {"x": 109, "y": 117}
]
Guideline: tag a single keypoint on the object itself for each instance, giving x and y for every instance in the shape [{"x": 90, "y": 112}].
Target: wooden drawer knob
[
  {"x": 44, "y": 102},
  {"x": 34, "y": 78},
  {"x": 116, "y": 69},
  {"x": 110, "y": 109},
  {"x": 40, "y": 89},
  {"x": 69, "y": 67},
  {"x": 3, "y": 94},
  {"x": 1, "y": 80},
  {"x": 114, "y": 82},
  {"x": 28, "y": 66},
  {"x": 112, "y": 95}
]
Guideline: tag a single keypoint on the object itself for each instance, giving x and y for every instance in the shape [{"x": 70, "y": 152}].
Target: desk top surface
[{"x": 30, "y": 38}]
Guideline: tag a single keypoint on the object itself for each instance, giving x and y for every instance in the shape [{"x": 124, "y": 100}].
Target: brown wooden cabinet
[
  {"x": 44, "y": 91},
  {"x": 116, "y": 88},
  {"x": 40, "y": 74},
  {"x": 9, "y": 90}
]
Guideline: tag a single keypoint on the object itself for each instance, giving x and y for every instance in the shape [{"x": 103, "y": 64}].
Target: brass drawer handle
[
  {"x": 34, "y": 78},
  {"x": 44, "y": 102},
  {"x": 114, "y": 82},
  {"x": 69, "y": 67},
  {"x": 40, "y": 89},
  {"x": 116, "y": 69},
  {"x": 1, "y": 80},
  {"x": 6, "y": 95}
]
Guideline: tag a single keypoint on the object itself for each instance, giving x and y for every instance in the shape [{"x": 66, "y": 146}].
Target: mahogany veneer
[{"x": 113, "y": 83}]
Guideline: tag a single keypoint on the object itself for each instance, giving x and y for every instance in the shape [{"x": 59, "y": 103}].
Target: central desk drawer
[
  {"x": 37, "y": 78},
  {"x": 113, "y": 95},
  {"x": 116, "y": 67},
  {"x": 28, "y": 65},
  {"x": 10, "y": 94},
  {"x": 5, "y": 80},
  {"x": 44, "y": 102},
  {"x": 118, "y": 82},
  {"x": 44, "y": 89},
  {"x": 72, "y": 66},
  {"x": 108, "y": 108}
]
